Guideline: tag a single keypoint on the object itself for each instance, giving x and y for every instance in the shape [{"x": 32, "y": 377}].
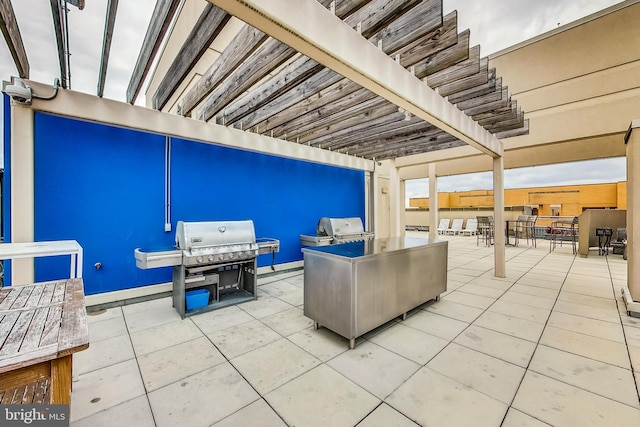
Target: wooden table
[{"x": 41, "y": 326}]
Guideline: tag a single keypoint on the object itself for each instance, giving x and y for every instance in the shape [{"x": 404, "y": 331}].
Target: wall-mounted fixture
[
  {"x": 18, "y": 91},
  {"x": 22, "y": 94}
]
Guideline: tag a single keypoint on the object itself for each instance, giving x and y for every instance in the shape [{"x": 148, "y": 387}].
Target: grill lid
[
  {"x": 339, "y": 226},
  {"x": 191, "y": 235}
]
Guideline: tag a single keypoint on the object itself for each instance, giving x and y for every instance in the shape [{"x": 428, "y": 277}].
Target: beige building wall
[
  {"x": 576, "y": 83},
  {"x": 579, "y": 86},
  {"x": 567, "y": 200}
]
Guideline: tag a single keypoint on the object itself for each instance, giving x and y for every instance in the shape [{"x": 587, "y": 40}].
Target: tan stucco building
[{"x": 562, "y": 200}]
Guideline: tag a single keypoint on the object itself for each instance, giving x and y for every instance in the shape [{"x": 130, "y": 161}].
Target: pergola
[{"x": 405, "y": 81}]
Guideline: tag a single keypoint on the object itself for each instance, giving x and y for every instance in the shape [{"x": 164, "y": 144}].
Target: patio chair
[
  {"x": 519, "y": 227},
  {"x": 443, "y": 226},
  {"x": 485, "y": 230},
  {"x": 563, "y": 230},
  {"x": 525, "y": 228},
  {"x": 619, "y": 245},
  {"x": 471, "y": 228},
  {"x": 456, "y": 227}
]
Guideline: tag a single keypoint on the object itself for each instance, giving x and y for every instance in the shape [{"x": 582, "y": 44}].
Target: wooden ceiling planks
[
  {"x": 291, "y": 116},
  {"x": 305, "y": 102},
  {"x": 383, "y": 132},
  {"x": 286, "y": 106},
  {"x": 369, "y": 20},
  {"x": 160, "y": 19},
  {"x": 241, "y": 48},
  {"x": 210, "y": 23},
  {"x": 11, "y": 32}
]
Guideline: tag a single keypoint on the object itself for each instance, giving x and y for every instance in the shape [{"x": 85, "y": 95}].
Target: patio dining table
[{"x": 41, "y": 326}]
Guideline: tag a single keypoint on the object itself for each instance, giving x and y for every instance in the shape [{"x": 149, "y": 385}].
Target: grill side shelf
[
  {"x": 267, "y": 245},
  {"x": 146, "y": 259}
]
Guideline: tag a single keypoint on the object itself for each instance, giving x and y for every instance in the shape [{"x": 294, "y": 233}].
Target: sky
[{"x": 494, "y": 24}]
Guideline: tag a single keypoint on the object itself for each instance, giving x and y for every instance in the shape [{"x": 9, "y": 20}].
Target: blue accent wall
[{"x": 104, "y": 186}]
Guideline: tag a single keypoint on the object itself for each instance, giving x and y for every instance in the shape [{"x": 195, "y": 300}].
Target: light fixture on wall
[
  {"x": 22, "y": 94},
  {"x": 18, "y": 91}
]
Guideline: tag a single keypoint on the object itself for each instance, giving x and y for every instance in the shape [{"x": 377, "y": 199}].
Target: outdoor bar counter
[{"x": 352, "y": 288}]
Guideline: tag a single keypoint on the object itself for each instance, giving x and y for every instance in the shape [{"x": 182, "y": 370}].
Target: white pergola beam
[{"x": 315, "y": 32}]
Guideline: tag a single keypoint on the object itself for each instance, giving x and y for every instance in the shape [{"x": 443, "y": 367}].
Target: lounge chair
[
  {"x": 471, "y": 228},
  {"x": 456, "y": 227},
  {"x": 443, "y": 226}
]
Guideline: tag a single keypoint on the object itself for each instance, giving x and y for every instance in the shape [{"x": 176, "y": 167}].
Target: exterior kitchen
[
  {"x": 238, "y": 246},
  {"x": 127, "y": 182}
]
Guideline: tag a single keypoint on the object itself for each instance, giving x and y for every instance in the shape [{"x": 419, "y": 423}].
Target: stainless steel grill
[
  {"x": 219, "y": 256},
  {"x": 216, "y": 242},
  {"x": 337, "y": 230}
]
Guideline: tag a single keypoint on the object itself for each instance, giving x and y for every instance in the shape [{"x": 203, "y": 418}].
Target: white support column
[
  {"x": 402, "y": 230},
  {"x": 632, "y": 293},
  {"x": 395, "y": 201},
  {"x": 434, "y": 215},
  {"x": 498, "y": 216},
  {"x": 22, "y": 188},
  {"x": 370, "y": 199}
]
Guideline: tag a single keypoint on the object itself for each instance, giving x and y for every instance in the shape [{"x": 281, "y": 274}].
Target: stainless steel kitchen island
[{"x": 352, "y": 288}]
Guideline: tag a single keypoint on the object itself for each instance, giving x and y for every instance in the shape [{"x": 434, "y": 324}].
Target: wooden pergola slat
[
  {"x": 110, "y": 21},
  {"x": 209, "y": 25},
  {"x": 479, "y": 78},
  {"x": 11, "y": 32},
  {"x": 359, "y": 144},
  {"x": 501, "y": 114},
  {"x": 160, "y": 20},
  {"x": 445, "y": 58},
  {"x": 489, "y": 86},
  {"x": 524, "y": 130},
  {"x": 432, "y": 42},
  {"x": 457, "y": 71}
]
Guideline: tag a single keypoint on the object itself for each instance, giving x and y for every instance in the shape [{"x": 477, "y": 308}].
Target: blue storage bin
[{"x": 197, "y": 298}]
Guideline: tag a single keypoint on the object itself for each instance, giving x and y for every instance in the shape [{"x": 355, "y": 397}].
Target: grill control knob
[
  {"x": 242, "y": 255},
  {"x": 210, "y": 258},
  {"x": 199, "y": 259},
  {"x": 221, "y": 256},
  {"x": 231, "y": 256}
]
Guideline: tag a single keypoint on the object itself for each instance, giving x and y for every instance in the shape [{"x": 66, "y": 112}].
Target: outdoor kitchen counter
[{"x": 352, "y": 288}]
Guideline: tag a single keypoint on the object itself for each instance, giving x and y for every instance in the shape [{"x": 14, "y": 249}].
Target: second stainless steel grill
[{"x": 337, "y": 230}]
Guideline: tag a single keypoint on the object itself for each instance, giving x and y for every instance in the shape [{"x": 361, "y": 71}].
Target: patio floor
[{"x": 551, "y": 344}]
